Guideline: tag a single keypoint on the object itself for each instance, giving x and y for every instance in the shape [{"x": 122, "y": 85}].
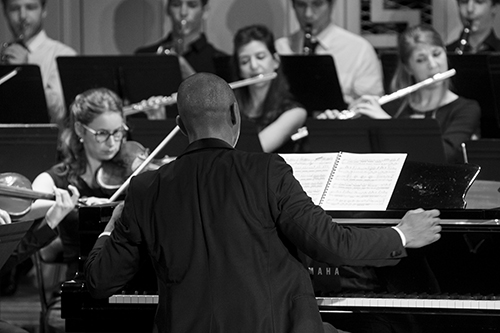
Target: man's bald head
[{"x": 207, "y": 108}]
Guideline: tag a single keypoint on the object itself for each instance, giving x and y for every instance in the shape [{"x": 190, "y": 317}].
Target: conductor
[{"x": 223, "y": 226}]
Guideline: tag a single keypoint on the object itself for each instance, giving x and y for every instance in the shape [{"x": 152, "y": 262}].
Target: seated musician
[
  {"x": 222, "y": 228},
  {"x": 422, "y": 54},
  {"x": 478, "y": 35},
  {"x": 38, "y": 236},
  {"x": 93, "y": 135},
  {"x": 268, "y": 104}
]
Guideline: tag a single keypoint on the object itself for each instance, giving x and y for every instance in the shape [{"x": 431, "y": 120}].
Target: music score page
[{"x": 348, "y": 181}]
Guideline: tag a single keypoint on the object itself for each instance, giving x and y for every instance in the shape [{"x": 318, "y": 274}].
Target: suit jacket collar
[{"x": 206, "y": 144}]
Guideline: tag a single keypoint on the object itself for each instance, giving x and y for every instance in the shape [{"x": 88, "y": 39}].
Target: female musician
[
  {"x": 268, "y": 104},
  {"x": 94, "y": 134},
  {"x": 422, "y": 55}
]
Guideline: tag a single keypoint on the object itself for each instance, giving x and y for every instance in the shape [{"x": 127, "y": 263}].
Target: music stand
[
  {"x": 473, "y": 80},
  {"x": 419, "y": 138},
  {"x": 28, "y": 149},
  {"x": 134, "y": 78},
  {"x": 151, "y": 132},
  {"x": 314, "y": 82},
  {"x": 10, "y": 235},
  {"x": 22, "y": 97}
]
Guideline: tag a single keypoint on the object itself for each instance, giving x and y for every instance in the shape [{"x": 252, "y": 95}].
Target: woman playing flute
[
  {"x": 269, "y": 104},
  {"x": 422, "y": 54}
]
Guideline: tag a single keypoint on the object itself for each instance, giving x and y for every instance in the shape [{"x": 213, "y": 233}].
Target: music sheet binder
[
  {"x": 22, "y": 97},
  {"x": 346, "y": 181},
  {"x": 10, "y": 235},
  {"x": 314, "y": 81},
  {"x": 134, "y": 78}
]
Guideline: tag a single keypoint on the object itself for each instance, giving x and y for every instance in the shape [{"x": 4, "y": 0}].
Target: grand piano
[{"x": 452, "y": 285}]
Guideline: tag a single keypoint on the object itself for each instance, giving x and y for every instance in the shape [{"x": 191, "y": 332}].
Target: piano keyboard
[
  {"x": 133, "y": 299},
  {"x": 355, "y": 302},
  {"x": 403, "y": 302}
]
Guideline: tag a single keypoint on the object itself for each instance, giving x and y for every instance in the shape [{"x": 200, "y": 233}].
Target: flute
[
  {"x": 349, "y": 114},
  {"x": 172, "y": 99}
]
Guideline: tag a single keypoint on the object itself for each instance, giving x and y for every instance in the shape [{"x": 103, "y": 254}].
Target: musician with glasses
[
  {"x": 31, "y": 45},
  {"x": 93, "y": 135},
  {"x": 478, "y": 16},
  {"x": 357, "y": 63}
]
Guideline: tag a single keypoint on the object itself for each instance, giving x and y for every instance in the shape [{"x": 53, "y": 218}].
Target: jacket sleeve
[
  {"x": 312, "y": 230},
  {"x": 114, "y": 259},
  {"x": 38, "y": 236}
]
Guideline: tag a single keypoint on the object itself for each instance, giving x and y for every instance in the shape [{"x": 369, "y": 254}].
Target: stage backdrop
[{"x": 96, "y": 27}]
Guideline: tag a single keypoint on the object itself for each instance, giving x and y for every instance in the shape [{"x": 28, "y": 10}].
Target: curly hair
[{"x": 86, "y": 107}]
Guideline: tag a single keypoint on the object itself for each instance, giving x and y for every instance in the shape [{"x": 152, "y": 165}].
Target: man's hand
[
  {"x": 420, "y": 227},
  {"x": 117, "y": 212},
  {"x": 15, "y": 54}
]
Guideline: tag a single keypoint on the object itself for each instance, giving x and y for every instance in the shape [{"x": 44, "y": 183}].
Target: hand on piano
[{"x": 420, "y": 227}]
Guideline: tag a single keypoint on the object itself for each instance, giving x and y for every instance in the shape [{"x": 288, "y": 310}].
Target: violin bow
[{"x": 234, "y": 85}]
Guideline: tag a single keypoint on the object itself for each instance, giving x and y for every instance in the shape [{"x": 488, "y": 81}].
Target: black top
[
  {"x": 490, "y": 44},
  {"x": 200, "y": 54}
]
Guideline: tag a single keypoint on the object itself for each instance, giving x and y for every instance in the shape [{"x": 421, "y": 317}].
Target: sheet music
[
  {"x": 363, "y": 181},
  {"x": 347, "y": 181},
  {"x": 312, "y": 171}
]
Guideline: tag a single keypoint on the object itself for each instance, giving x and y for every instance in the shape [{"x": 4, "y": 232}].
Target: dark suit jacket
[{"x": 222, "y": 228}]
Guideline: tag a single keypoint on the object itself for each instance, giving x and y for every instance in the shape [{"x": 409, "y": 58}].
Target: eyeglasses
[{"x": 103, "y": 136}]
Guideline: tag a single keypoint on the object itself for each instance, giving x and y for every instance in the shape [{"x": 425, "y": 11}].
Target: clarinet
[
  {"x": 309, "y": 44},
  {"x": 464, "y": 38}
]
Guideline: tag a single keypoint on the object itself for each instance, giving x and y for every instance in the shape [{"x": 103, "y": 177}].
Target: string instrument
[
  {"x": 464, "y": 38},
  {"x": 155, "y": 102},
  {"x": 111, "y": 174},
  {"x": 16, "y": 195}
]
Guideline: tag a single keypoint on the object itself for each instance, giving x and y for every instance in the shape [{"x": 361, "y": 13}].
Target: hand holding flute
[{"x": 371, "y": 105}]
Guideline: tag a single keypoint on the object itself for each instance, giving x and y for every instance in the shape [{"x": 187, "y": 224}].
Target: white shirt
[
  {"x": 43, "y": 52},
  {"x": 358, "y": 67}
]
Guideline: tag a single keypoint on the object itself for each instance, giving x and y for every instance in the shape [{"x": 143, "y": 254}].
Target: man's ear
[
  {"x": 179, "y": 122},
  {"x": 233, "y": 108}
]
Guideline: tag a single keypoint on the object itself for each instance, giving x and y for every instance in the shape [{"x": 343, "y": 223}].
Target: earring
[{"x": 81, "y": 140}]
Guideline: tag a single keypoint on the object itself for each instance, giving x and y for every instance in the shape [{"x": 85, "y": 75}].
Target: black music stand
[
  {"x": 134, "y": 78},
  {"x": 28, "y": 149},
  {"x": 10, "y": 235},
  {"x": 151, "y": 132},
  {"x": 22, "y": 97},
  {"x": 314, "y": 82},
  {"x": 419, "y": 138},
  {"x": 473, "y": 80}
]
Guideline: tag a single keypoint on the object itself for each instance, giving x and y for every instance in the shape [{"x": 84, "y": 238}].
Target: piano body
[{"x": 461, "y": 295}]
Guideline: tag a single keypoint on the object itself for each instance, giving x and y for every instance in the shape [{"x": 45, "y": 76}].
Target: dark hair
[
  {"x": 86, "y": 107},
  {"x": 43, "y": 2},
  {"x": 279, "y": 86},
  {"x": 407, "y": 42}
]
